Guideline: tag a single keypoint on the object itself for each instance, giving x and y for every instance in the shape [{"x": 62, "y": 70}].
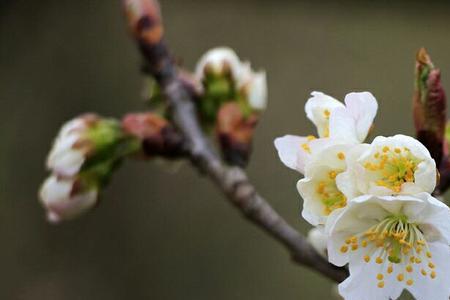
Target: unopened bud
[
  {"x": 66, "y": 198},
  {"x": 219, "y": 62},
  {"x": 227, "y": 79},
  {"x": 234, "y": 131},
  {"x": 81, "y": 140},
  {"x": 318, "y": 239},
  {"x": 157, "y": 135},
  {"x": 144, "y": 20},
  {"x": 429, "y": 106}
]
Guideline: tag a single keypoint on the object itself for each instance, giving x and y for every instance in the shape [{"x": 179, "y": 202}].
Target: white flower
[
  {"x": 391, "y": 244},
  {"x": 350, "y": 123},
  {"x": 318, "y": 239},
  {"x": 390, "y": 165},
  {"x": 335, "y": 123},
  {"x": 69, "y": 152},
  {"x": 62, "y": 200},
  {"x": 318, "y": 188},
  {"x": 218, "y": 61}
]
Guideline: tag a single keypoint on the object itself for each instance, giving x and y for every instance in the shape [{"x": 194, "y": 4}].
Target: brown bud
[
  {"x": 158, "y": 136},
  {"x": 429, "y": 106},
  {"x": 235, "y": 133},
  {"x": 144, "y": 20}
]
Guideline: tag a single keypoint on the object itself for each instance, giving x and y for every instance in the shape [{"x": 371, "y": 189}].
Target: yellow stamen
[{"x": 341, "y": 155}]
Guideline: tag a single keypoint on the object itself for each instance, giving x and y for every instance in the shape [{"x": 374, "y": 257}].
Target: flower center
[
  {"x": 392, "y": 167},
  {"x": 394, "y": 243},
  {"x": 329, "y": 194}
]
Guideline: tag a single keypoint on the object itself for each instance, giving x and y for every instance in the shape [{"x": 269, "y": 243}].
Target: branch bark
[{"x": 146, "y": 26}]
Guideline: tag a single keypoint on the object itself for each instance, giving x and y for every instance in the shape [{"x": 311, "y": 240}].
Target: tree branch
[{"x": 147, "y": 29}]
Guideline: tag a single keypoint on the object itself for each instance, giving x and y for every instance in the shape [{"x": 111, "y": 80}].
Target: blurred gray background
[{"x": 159, "y": 235}]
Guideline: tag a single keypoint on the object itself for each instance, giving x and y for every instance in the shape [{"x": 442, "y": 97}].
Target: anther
[
  {"x": 409, "y": 282},
  {"x": 341, "y": 155},
  {"x": 433, "y": 274},
  {"x": 400, "y": 277},
  {"x": 344, "y": 249},
  {"x": 380, "y": 284},
  {"x": 380, "y": 276},
  {"x": 409, "y": 268},
  {"x": 366, "y": 258},
  {"x": 390, "y": 269},
  {"x": 379, "y": 260}
]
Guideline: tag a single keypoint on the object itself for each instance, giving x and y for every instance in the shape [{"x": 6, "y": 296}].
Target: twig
[{"x": 147, "y": 29}]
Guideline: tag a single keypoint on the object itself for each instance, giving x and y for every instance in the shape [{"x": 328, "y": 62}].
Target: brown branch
[{"x": 233, "y": 182}]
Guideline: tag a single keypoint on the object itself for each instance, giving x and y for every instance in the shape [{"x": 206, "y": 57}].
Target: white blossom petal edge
[{"x": 392, "y": 243}]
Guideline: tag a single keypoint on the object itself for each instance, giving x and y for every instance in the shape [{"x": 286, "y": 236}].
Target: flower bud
[
  {"x": 82, "y": 160},
  {"x": 429, "y": 106},
  {"x": 234, "y": 131},
  {"x": 318, "y": 239},
  {"x": 157, "y": 135},
  {"x": 226, "y": 79},
  {"x": 87, "y": 137},
  {"x": 144, "y": 20},
  {"x": 66, "y": 198},
  {"x": 219, "y": 62}
]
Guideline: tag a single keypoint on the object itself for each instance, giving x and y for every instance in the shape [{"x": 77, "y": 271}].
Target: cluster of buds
[
  {"x": 232, "y": 98},
  {"x": 84, "y": 155}
]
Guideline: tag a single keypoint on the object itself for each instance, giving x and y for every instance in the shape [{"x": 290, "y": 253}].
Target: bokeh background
[{"x": 165, "y": 235}]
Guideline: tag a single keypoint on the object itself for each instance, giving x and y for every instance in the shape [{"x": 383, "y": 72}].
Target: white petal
[
  {"x": 432, "y": 215},
  {"x": 291, "y": 154},
  {"x": 343, "y": 126},
  {"x": 56, "y": 196},
  {"x": 315, "y": 109},
  {"x": 363, "y": 108},
  {"x": 426, "y": 288},
  {"x": 54, "y": 190},
  {"x": 318, "y": 239},
  {"x": 313, "y": 208},
  {"x": 362, "y": 282},
  {"x": 215, "y": 59},
  {"x": 258, "y": 91}
]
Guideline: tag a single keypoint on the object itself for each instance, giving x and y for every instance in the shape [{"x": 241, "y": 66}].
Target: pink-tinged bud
[
  {"x": 157, "y": 135},
  {"x": 144, "y": 20},
  {"x": 429, "y": 106},
  {"x": 235, "y": 133},
  {"x": 66, "y": 198},
  {"x": 72, "y": 146}
]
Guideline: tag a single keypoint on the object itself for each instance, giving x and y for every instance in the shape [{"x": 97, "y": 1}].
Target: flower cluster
[
  {"x": 372, "y": 202},
  {"x": 84, "y": 154}
]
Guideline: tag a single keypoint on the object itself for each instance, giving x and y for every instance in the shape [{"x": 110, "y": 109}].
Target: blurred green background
[{"x": 159, "y": 235}]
